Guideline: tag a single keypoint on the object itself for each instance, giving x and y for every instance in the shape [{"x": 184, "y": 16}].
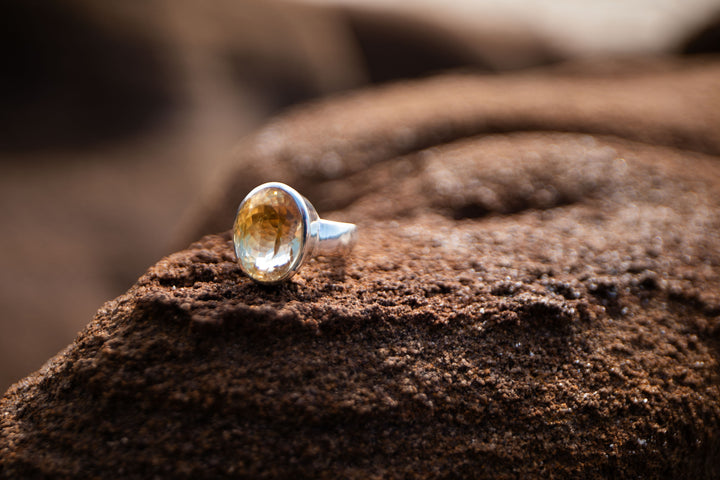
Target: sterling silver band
[{"x": 333, "y": 238}]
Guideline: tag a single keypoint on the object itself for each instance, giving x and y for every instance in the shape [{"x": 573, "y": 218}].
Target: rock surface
[
  {"x": 326, "y": 150},
  {"x": 520, "y": 304}
]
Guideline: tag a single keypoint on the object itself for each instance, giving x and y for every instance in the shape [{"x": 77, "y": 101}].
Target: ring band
[{"x": 276, "y": 230}]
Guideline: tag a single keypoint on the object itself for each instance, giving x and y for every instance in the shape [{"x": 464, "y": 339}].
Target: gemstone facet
[{"x": 269, "y": 234}]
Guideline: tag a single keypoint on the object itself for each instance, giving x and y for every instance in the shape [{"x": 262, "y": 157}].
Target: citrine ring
[{"x": 276, "y": 230}]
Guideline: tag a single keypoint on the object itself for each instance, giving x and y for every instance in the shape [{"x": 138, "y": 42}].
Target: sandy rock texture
[{"x": 535, "y": 293}]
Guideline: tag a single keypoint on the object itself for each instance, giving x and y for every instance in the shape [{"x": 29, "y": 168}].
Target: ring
[{"x": 276, "y": 230}]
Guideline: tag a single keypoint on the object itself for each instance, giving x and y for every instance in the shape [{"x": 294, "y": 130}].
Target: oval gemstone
[{"x": 268, "y": 234}]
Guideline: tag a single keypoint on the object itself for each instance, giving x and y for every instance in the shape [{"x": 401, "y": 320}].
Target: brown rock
[
  {"x": 526, "y": 305},
  {"x": 326, "y": 149}
]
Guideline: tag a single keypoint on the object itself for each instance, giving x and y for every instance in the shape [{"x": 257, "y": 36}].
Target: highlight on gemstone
[{"x": 269, "y": 234}]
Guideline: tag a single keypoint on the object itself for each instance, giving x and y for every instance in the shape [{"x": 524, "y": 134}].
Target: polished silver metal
[
  {"x": 335, "y": 239},
  {"x": 321, "y": 237}
]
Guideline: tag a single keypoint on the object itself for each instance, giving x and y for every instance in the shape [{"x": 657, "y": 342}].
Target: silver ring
[{"x": 276, "y": 230}]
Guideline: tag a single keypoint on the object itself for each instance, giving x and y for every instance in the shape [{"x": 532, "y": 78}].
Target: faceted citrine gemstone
[{"x": 268, "y": 234}]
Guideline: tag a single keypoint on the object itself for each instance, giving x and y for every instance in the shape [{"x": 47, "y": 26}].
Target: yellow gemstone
[{"x": 269, "y": 234}]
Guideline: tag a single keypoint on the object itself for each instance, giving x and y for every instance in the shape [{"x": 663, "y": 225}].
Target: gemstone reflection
[{"x": 268, "y": 234}]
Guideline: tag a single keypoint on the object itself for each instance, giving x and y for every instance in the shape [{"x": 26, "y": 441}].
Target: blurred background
[{"x": 115, "y": 116}]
